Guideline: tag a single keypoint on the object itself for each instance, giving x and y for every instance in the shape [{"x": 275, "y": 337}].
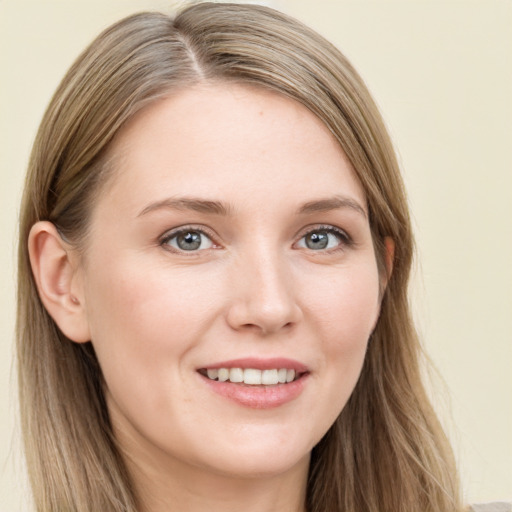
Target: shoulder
[{"x": 491, "y": 507}]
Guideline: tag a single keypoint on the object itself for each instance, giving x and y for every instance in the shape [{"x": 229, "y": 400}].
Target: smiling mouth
[{"x": 252, "y": 376}]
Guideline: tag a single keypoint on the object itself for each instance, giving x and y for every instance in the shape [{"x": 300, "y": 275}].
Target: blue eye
[
  {"x": 323, "y": 239},
  {"x": 189, "y": 240}
]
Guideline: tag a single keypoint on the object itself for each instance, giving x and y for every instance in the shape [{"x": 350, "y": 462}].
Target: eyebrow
[
  {"x": 219, "y": 208},
  {"x": 190, "y": 204},
  {"x": 332, "y": 203}
]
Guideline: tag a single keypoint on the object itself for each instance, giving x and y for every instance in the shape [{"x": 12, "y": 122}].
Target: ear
[
  {"x": 56, "y": 272},
  {"x": 389, "y": 257},
  {"x": 389, "y": 245}
]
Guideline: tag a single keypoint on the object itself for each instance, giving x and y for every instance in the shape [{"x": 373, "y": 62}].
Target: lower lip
[{"x": 258, "y": 397}]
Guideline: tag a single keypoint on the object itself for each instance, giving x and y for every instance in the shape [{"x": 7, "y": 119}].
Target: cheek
[
  {"x": 345, "y": 303},
  {"x": 345, "y": 311},
  {"x": 143, "y": 323},
  {"x": 145, "y": 302}
]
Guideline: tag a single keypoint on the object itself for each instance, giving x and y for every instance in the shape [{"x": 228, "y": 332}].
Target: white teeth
[
  {"x": 281, "y": 375},
  {"x": 236, "y": 375},
  {"x": 252, "y": 376},
  {"x": 269, "y": 377},
  {"x": 223, "y": 374},
  {"x": 212, "y": 373},
  {"x": 290, "y": 375}
]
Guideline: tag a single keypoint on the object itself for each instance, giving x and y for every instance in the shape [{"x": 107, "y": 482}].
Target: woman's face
[{"x": 232, "y": 242}]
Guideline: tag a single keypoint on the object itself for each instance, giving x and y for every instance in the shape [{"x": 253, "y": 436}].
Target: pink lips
[
  {"x": 261, "y": 364},
  {"x": 259, "y": 397}
]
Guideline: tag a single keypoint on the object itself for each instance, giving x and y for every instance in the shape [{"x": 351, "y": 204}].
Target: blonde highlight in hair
[{"x": 386, "y": 452}]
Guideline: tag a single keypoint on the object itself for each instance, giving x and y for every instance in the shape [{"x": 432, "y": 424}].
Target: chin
[
  {"x": 260, "y": 467},
  {"x": 257, "y": 458}
]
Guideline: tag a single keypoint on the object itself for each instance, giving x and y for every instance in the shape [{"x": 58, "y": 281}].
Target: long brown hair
[{"x": 386, "y": 452}]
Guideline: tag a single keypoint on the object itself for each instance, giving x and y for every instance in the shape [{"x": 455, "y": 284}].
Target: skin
[{"x": 155, "y": 313}]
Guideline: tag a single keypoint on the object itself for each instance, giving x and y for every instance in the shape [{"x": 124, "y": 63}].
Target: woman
[{"x": 214, "y": 255}]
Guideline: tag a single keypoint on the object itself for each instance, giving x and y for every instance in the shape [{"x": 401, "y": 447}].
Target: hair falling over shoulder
[{"x": 386, "y": 452}]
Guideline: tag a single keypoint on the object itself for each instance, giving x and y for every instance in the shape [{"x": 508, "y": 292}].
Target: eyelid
[{"x": 345, "y": 239}]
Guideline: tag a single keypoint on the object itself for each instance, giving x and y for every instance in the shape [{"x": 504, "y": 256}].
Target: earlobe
[{"x": 56, "y": 277}]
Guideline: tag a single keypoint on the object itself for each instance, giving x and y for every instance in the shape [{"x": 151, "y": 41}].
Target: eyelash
[
  {"x": 166, "y": 238},
  {"x": 344, "y": 239}
]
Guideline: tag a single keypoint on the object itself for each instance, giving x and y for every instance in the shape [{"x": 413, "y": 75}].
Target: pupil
[
  {"x": 317, "y": 240},
  {"x": 189, "y": 241}
]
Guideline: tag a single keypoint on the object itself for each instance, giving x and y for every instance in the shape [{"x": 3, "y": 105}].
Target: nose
[{"x": 263, "y": 295}]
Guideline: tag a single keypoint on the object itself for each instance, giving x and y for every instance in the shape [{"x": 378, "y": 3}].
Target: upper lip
[{"x": 260, "y": 364}]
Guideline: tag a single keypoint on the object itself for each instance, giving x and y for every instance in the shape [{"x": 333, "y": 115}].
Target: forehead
[{"x": 231, "y": 141}]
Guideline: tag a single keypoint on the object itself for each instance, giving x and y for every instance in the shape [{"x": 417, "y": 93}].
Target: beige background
[{"x": 442, "y": 74}]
